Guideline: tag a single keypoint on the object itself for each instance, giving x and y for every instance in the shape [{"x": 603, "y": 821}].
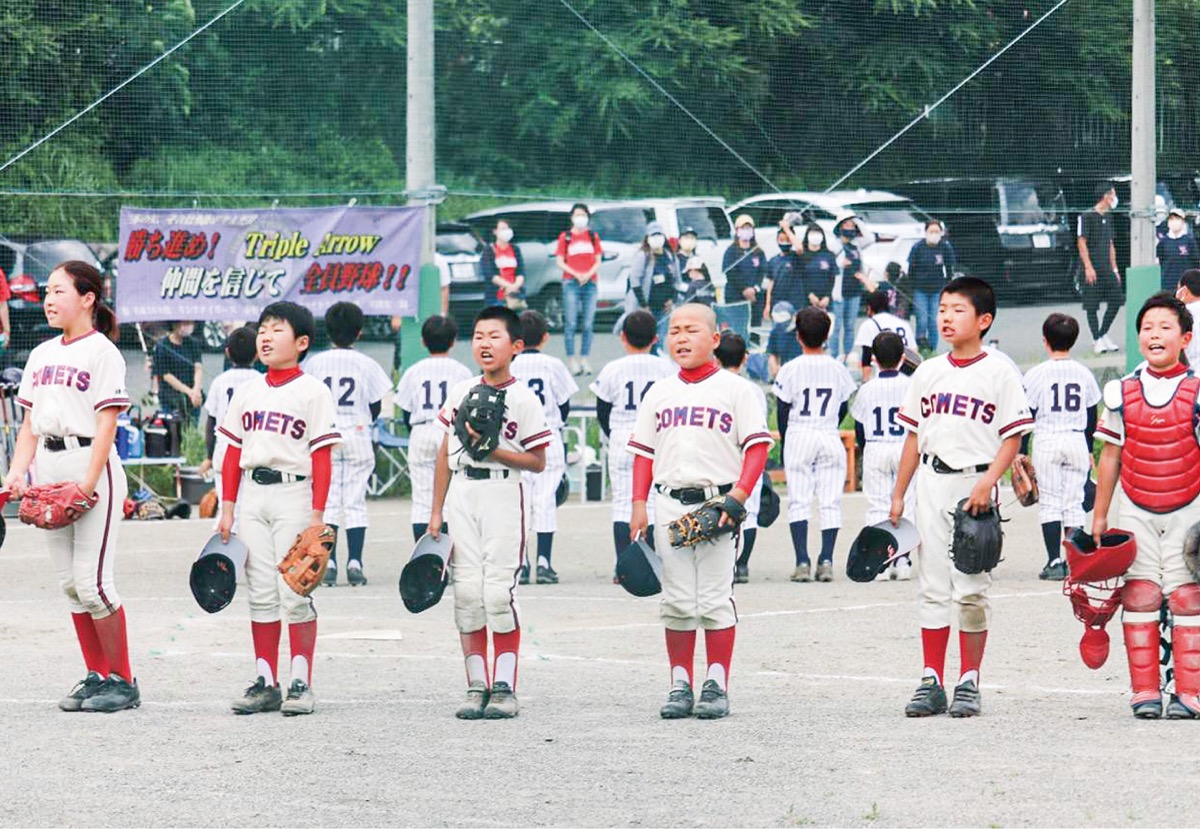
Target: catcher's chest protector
[{"x": 1160, "y": 463}]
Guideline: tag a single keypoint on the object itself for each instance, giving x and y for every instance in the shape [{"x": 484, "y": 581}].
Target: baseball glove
[
  {"x": 702, "y": 524},
  {"x": 975, "y": 547},
  {"x": 54, "y": 506},
  {"x": 1024, "y": 480},
  {"x": 304, "y": 565},
  {"x": 483, "y": 410}
]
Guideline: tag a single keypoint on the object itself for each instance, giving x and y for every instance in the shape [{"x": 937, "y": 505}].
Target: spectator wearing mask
[
  {"x": 1177, "y": 250},
  {"x": 848, "y": 291},
  {"x": 688, "y": 239},
  {"x": 745, "y": 266},
  {"x": 654, "y": 276},
  {"x": 1098, "y": 257},
  {"x": 818, "y": 269},
  {"x": 502, "y": 265},
  {"x": 697, "y": 285},
  {"x": 930, "y": 266},
  {"x": 578, "y": 256},
  {"x": 783, "y": 282}
]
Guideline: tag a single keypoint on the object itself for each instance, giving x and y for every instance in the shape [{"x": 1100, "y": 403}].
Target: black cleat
[
  {"x": 86, "y": 688},
  {"x": 713, "y": 703},
  {"x": 742, "y": 574},
  {"x": 1148, "y": 709},
  {"x": 1185, "y": 707},
  {"x": 502, "y": 703},
  {"x": 546, "y": 575},
  {"x": 679, "y": 702},
  {"x": 115, "y": 695},
  {"x": 927, "y": 700},
  {"x": 355, "y": 576},
  {"x": 300, "y": 699},
  {"x": 1054, "y": 571},
  {"x": 524, "y": 575},
  {"x": 258, "y": 698},
  {"x": 966, "y": 700},
  {"x": 330, "y": 579},
  {"x": 476, "y": 702}
]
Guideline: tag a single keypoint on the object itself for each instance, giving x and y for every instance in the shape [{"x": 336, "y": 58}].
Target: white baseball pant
[
  {"x": 1159, "y": 542},
  {"x": 84, "y": 552},
  {"x": 272, "y": 516},
  {"x": 881, "y": 464},
  {"x": 1062, "y": 462},
  {"x": 815, "y": 462},
  {"x": 543, "y": 488},
  {"x": 424, "y": 441},
  {"x": 620, "y": 476},
  {"x": 697, "y": 581},
  {"x": 941, "y": 587},
  {"x": 353, "y": 462},
  {"x": 753, "y": 503},
  {"x": 489, "y": 520}
]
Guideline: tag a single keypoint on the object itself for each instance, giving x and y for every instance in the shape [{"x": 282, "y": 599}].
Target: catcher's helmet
[
  {"x": 563, "y": 492},
  {"x": 1087, "y": 563},
  {"x": 870, "y": 554},
  {"x": 214, "y": 573},
  {"x": 424, "y": 578},
  {"x": 639, "y": 569}
]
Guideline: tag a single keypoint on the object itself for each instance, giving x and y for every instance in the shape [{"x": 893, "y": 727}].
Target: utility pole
[{"x": 1142, "y": 279}]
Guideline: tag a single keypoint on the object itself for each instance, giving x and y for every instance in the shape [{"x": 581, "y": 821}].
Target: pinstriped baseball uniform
[
  {"x": 356, "y": 382},
  {"x": 550, "y": 380},
  {"x": 220, "y": 392},
  {"x": 1193, "y": 349},
  {"x": 421, "y": 392},
  {"x": 1060, "y": 393},
  {"x": 876, "y": 406},
  {"x": 623, "y": 383},
  {"x": 754, "y": 501},
  {"x": 876, "y": 324},
  {"x": 815, "y": 386}
]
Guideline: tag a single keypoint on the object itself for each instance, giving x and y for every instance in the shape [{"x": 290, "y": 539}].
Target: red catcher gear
[
  {"x": 1160, "y": 456},
  {"x": 1094, "y": 588},
  {"x": 1141, "y": 646},
  {"x": 1087, "y": 563}
]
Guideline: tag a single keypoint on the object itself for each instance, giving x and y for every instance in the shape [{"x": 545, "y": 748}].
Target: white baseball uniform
[
  {"x": 876, "y": 407},
  {"x": 1060, "y": 392},
  {"x": 551, "y": 381},
  {"x": 815, "y": 386},
  {"x": 66, "y": 382},
  {"x": 489, "y": 516},
  {"x": 754, "y": 501},
  {"x": 696, "y": 433},
  {"x": 277, "y": 426},
  {"x": 876, "y": 324},
  {"x": 356, "y": 381},
  {"x": 961, "y": 411},
  {"x": 623, "y": 384},
  {"x": 422, "y": 392},
  {"x": 216, "y": 405},
  {"x": 1193, "y": 349}
]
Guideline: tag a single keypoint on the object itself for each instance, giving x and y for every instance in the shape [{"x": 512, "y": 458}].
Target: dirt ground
[{"x": 817, "y": 735}]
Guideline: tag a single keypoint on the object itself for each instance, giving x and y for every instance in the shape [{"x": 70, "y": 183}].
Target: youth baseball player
[
  {"x": 619, "y": 389},
  {"x": 965, "y": 413},
  {"x": 881, "y": 435},
  {"x": 419, "y": 397},
  {"x": 731, "y": 354},
  {"x": 240, "y": 348},
  {"x": 1149, "y": 430},
  {"x": 811, "y": 393},
  {"x": 880, "y": 319},
  {"x": 550, "y": 379},
  {"x": 1063, "y": 395},
  {"x": 281, "y": 429},
  {"x": 358, "y": 385},
  {"x": 72, "y": 389},
  {"x": 486, "y": 504},
  {"x": 699, "y": 435}
]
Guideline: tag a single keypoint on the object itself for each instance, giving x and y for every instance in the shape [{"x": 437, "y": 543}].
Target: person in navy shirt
[
  {"x": 1177, "y": 250},
  {"x": 847, "y": 297},
  {"x": 818, "y": 269},
  {"x": 931, "y": 265},
  {"x": 745, "y": 266},
  {"x": 783, "y": 283}
]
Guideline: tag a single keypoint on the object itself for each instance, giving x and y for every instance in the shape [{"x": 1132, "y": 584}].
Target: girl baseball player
[
  {"x": 486, "y": 504},
  {"x": 700, "y": 434},
  {"x": 73, "y": 389},
  {"x": 1149, "y": 431},
  {"x": 281, "y": 430},
  {"x": 965, "y": 413}
]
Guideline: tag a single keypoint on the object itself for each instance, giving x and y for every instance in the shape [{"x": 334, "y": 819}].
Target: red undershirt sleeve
[
  {"x": 231, "y": 473},
  {"x": 643, "y": 476},
  {"x": 322, "y": 469},
  {"x": 753, "y": 464}
]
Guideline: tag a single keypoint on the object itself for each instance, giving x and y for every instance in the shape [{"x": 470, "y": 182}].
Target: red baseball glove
[{"x": 54, "y": 506}]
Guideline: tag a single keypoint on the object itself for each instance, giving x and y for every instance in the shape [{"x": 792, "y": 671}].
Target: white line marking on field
[
  {"x": 987, "y": 686},
  {"x": 375, "y": 635}
]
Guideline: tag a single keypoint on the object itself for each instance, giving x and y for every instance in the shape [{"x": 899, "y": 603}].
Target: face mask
[
  {"x": 848, "y": 233},
  {"x": 933, "y": 238},
  {"x": 1114, "y": 201},
  {"x": 687, "y": 244},
  {"x": 656, "y": 240},
  {"x": 815, "y": 239},
  {"x": 579, "y": 222},
  {"x": 746, "y": 234},
  {"x": 504, "y": 234},
  {"x": 784, "y": 247}
]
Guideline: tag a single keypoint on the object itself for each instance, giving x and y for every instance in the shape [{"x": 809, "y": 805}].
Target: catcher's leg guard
[
  {"x": 1142, "y": 600},
  {"x": 1185, "y": 645}
]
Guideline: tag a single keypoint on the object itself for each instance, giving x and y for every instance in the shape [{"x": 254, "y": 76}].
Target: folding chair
[{"x": 391, "y": 456}]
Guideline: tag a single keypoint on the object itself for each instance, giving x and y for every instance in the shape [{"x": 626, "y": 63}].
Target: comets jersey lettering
[
  {"x": 280, "y": 426},
  {"x": 815, "y": 386},
  {"x": 524, "y": 422},
  {"x": 624, "y": 382},
  {"x": 67, "y": 381},
  {"x": 220, "y": 392},
  {"x": 962, "y": 410},
  {"x": 696, "y": 432},
  {"x": 423, "y": 389},
  {"x": 550, "y": 381},
  {"x": 355, "y": 381},
  {"x": 877, "y": 407},
  {"x": 1060, "y": 392}
]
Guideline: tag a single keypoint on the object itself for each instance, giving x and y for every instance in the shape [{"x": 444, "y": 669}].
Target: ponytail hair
[{"x": 89, "y": 280}]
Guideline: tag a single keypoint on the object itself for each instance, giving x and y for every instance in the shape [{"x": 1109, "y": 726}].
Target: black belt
[
  {"x": 695, "y": 494},
  {"x": 477, "y": 473},
  {"x": 263, "y": 475},
  {"x": 943, "y": 468},
  {"x": 53, "y": 443}
]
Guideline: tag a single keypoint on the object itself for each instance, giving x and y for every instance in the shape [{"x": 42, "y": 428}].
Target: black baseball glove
[
  {"x": 977, "y": 540},
  {"x": 703, "y": 524},
  {"x": 483, "y": 410}
]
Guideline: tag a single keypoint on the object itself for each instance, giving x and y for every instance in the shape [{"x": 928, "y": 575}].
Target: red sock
[
  {"x": 475, "y": 646},
  {"x": 89, "y": 643},
  {"x": 970, "y": 650},
  {"x": 718, "y": 645},
  {"x": 681, "y": 651},
  {"x": 506, "y": 645},
  {"x": 934, "y": 642},
  {"x": 266, "y": 646},
  {"x": 302, "y": 641},
  {"x": 110, "y": 633}
]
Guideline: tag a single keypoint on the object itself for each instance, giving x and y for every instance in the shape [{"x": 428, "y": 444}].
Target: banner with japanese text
[{"x": 230, "y": 264}]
